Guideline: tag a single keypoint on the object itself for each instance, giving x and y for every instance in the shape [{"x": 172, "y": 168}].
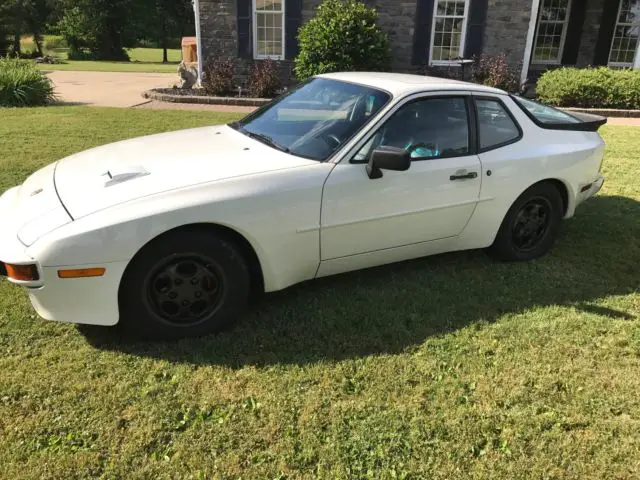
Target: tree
[
  {"x": 4, "y": 28},
  {"x": 166, "y": 20},
  {"x": 105, "y": 27},
  {"x": 343, "y": 36},
  {"x": 18, "y": 17}
]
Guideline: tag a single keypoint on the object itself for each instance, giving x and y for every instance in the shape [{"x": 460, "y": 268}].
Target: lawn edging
[
  {"x": 606, "y": 112},
  {"x": 163, "y": 95}
]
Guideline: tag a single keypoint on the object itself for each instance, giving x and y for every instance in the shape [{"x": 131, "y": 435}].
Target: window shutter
[
  {"x": 574, "y": 32},
  {"x": 475, "y": 30},
  {"x": 292, "y": 22},
  {"x": 422, "y": 32},
  {"x": 605, "y": 36},
  {"x": 245, "y": 34}
]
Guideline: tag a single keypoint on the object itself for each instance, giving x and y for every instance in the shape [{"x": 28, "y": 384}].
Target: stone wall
[
  {"x": 219, "y": 32},
  {"x": 507, "y": 28},
  {"x": 590, "y": 31},
  {"x": 506, "y": 31}
]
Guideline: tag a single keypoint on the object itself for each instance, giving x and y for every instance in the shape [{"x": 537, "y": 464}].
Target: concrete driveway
[{"x": 107, "y": 89}]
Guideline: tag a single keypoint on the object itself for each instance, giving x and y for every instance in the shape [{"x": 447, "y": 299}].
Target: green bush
[
  {"x": 590, "y": 88},
  {"x": 343, "y": 36},
  {"x": 22, "y": 84}
]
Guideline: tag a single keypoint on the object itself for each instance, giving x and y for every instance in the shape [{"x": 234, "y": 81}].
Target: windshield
[{"x": 314, "y": 119}]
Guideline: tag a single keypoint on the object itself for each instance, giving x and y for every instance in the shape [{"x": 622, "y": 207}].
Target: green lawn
[
  {"x": 148, "y": 60},
  {"x": 442, "y": 368}
]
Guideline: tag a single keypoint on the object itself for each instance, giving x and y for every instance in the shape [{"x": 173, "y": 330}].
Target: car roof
[{"x": 405, "y": 84}]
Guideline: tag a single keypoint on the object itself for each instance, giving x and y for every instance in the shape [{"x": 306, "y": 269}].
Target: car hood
[{"x": 120, "y": 172}]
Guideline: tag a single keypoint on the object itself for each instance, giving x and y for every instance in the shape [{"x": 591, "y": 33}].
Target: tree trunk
[
  {"x": 37, "y": 39},
  {"x": 165, "y": 46},
  {"x": 16, "y": 43}
]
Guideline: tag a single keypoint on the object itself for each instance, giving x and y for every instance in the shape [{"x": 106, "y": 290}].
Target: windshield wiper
[{"x": 265, "y": 139}]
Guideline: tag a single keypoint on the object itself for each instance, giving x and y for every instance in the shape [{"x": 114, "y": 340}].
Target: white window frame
[
  {"x": 463, "y": 34},
  {"x": 256, "y": 12},
  {"x": 563, "y": 37},
  {"x": 636, "y": 58}
]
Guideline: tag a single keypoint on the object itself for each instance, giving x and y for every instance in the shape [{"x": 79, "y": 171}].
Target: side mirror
[{"x": 388, "y": 158}]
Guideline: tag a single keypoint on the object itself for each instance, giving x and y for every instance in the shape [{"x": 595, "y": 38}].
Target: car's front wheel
[
  {"x": 186, "y": 283},
  {"x": 531, "y": 225}
]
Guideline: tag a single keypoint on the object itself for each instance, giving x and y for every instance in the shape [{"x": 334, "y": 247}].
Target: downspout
[
  {"x": 528, "y": 48},
  {"x": 196, "y": 11}
]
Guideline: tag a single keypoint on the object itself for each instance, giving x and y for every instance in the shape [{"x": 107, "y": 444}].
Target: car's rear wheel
[
  {"x": 184, "y": 284},
  {"x": 531, "y": 225}
]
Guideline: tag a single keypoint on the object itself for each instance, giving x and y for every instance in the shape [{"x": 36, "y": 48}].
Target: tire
[
  {"x": 537, "y": 211},
  {"x": 186, "y": 283}
]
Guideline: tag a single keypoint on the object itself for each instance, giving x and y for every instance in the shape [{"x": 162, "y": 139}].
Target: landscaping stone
[{"x": 174, "y": 95}]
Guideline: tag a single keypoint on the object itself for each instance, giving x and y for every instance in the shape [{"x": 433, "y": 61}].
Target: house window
[
  {"x": 625, "y": 36},
  {"x": 552, "y": 30},
  {"x": 448, "y": 31},
  {"x": 268, "y": 32}
]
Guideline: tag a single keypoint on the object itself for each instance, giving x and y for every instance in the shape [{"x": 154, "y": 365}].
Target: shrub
[
  {"x": 264, "y": 81},
  {"x": 494, "y": 71},
  {"x": 22, "y": 84},
  {"x": 343, "y": 36},
  {"x": 590, "y": 88},
  {"x": 218, "y": 76}
]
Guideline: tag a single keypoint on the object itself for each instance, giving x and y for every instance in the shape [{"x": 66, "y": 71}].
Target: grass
[
  {"x": 146, "y": 60},
  {"x": 447, "y": 367}
]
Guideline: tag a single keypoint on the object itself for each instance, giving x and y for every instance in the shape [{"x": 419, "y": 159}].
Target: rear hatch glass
[{"x": 551, "y": 118}]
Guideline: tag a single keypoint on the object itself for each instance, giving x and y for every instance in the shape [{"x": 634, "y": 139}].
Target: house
[{"x": 534, "y": 34}]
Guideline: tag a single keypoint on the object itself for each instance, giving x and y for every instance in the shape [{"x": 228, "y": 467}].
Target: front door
[{"x": 432, "y": 200}]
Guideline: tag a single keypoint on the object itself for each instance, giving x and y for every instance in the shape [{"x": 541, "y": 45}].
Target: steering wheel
[{"x": 334, "y": 142}]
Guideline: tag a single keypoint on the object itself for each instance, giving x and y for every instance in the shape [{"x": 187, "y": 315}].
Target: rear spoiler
[{"x": 588, "y": 122}]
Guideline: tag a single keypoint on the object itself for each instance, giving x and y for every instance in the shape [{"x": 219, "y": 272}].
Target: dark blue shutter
[
  {"x": 574, "y": 32},
  {"x": 422, "y": 32},
  {"x": 605, "y": 36},
  {"x": 293, "y": 20},
  {"x": 475, "y": 30},
  {"x": 245, "y": 37}
]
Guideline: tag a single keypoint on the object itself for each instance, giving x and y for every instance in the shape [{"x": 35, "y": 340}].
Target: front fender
[{"x": 278, "y": 215}]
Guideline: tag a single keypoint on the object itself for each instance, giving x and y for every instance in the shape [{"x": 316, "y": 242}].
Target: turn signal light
[
  {"x": 82, "y": 273},
  {"x": 22, "y": 273}
]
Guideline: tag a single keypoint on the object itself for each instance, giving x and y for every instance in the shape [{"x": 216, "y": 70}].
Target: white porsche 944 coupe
[{"x": 168, "y": 234}]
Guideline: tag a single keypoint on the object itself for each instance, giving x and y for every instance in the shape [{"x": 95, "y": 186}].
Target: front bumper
[
  {"x": 92, "y": 301},
  {"x": 12, "y": 250}
]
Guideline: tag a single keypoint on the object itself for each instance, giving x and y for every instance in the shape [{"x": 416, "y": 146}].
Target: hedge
[{"x": 590, "y": 88}]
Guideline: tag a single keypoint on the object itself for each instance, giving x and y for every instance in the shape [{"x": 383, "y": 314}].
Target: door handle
[{"x": 463, "y": 176}]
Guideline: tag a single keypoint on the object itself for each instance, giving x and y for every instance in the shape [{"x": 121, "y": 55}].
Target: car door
[{"x": 432, "y": 200}]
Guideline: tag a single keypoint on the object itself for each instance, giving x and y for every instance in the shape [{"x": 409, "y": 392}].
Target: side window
[
  {"x": 496, "y": 127},
  {"x": 431, "y": 128}
]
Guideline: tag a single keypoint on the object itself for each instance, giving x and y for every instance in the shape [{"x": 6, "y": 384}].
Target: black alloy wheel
[
  {"x": 186, "y": 283},
  {"x": 185, "y": 290},
  {"x": 531, "y": 224}
]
